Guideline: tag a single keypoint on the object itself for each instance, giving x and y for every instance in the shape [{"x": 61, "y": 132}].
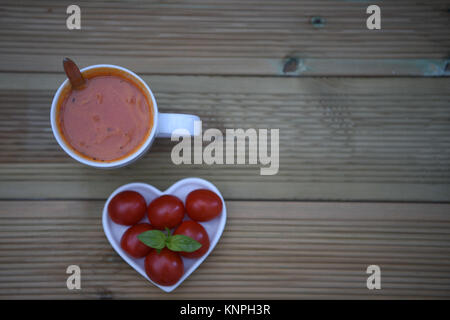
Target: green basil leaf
[
  {"x": 183, "y": 243},
  {"x": 153, "y": 238}
]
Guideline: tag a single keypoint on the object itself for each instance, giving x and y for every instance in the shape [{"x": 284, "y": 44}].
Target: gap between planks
[{"x": 238, "y": 66}]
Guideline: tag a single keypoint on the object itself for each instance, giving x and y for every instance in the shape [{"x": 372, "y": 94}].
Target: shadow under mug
[{"x": 163, "y": 124}]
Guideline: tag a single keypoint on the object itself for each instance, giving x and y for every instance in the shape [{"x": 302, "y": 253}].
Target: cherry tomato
[
  {"x": 165, "y": 211},
  {"x": 203, "y": 205},
  {"x": 127, "y": 208},
  {"x": 196, "y": 231},
  {"x": 165, "y": 267},
  {"x": 130, "y": 242}
]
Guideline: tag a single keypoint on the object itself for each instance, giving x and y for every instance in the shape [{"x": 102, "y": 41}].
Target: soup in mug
[{"x": 109, "y": 118}]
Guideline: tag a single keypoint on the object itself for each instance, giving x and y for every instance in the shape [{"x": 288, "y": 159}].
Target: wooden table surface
[{"x": 364, "y": 119}]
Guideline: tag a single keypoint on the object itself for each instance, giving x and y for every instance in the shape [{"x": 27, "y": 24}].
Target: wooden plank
[
  {"x": 269, "y": 250},
  {"x": 340, "y": 138},
  {"x": 232, "y": 37},
  {"x": 237, "y": 66}
]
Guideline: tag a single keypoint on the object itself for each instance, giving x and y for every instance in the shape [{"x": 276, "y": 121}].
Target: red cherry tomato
[
  {"x": 127, "y": 208},
  {"x": 130, "y": 242},
  {"x": 165, "y": 267},
  {"x": 165, "y": 211},
  {"x": 196, "y": 231},
  {"x": 203, "y": 205}
]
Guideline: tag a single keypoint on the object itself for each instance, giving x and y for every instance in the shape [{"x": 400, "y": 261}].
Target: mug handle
[{"x": 169, "y": 122}]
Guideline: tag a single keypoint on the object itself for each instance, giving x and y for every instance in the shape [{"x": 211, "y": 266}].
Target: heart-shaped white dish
[{"x": 181, "y": 189}]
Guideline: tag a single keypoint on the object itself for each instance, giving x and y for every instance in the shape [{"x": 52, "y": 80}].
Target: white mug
[{"x": 163, "y": 124}]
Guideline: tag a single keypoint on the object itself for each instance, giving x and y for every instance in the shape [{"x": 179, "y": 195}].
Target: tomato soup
[{"x": 109, "y": 118}]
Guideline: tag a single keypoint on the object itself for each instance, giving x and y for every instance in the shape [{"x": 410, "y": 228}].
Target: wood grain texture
[
  {"x": 377, "y": 136},
  {"x": 340, "y": 138},
  {"x": 272, "y": 250},
  {"x": 232, "y": 37}
]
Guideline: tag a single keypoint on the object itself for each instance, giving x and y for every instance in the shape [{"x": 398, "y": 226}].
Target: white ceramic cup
[{"x": 163, "y": 124}]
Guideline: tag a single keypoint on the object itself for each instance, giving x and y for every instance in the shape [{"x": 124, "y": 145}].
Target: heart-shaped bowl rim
[{"x": 195, "y": 263}]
